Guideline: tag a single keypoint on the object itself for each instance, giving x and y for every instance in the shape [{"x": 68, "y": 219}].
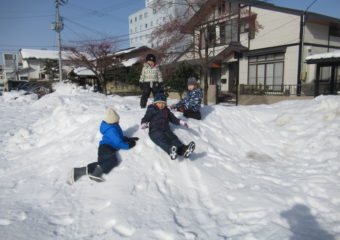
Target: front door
[{"x": 227, "y": 85}]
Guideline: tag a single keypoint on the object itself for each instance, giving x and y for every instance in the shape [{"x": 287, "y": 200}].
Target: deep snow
[{"x": 258, "y": 172}]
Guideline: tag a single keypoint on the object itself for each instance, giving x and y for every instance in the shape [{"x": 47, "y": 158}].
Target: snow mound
[{"x": 258, "y": 172}]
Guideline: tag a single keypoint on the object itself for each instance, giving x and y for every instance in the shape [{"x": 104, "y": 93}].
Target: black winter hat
[
  {"x": 150, "y": 57},
  {"x": 159, "y": 97}
]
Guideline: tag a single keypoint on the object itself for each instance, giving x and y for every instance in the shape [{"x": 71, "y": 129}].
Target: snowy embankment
[{"x": 259, "y": 172}]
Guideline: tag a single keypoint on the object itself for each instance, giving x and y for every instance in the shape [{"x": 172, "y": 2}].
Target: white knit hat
[{"x": 111, "y": 116}]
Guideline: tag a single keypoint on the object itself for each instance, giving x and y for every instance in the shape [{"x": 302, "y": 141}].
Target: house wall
[
  {"x": 278, "y": 29},
  {"x": 316, "y": 33}
]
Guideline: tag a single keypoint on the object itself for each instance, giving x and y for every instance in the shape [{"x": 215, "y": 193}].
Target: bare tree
[
  {"x": 97, "y": 56},
  {"x": 197, "y": 28}
]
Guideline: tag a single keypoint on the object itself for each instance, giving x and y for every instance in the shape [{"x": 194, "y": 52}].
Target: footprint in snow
[
  {"x": 119, "y": 229},
  {"x": 62, "y": 221},
  {"x": 4, "y": 222}
]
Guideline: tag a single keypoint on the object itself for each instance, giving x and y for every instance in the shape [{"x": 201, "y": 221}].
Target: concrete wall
[{"x": 255, "y": 100}]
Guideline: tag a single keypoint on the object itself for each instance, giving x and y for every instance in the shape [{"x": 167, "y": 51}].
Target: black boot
[
  {"x": 173, "y": 152},
  {"x": 77, "y": 173},
  {"x": 97, "y": 174},
  {"x": 188, "y": 149}
]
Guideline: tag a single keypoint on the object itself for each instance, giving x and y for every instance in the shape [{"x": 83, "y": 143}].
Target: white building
[
  {"x": 34, "y": 61},
  {"x": 11, "y": 66},
  {"x": 143, "y": 22}
]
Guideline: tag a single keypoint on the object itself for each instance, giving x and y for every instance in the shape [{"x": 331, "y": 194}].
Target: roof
[
  {"x": 83, "y": 71},
  {"x": 130, "y": 62},
  {"x": 232, "y": 48},
  {"x": 324, "y": 57},
  {"x": 43, "y": 54},
  {"x": 210, "y": 4}
]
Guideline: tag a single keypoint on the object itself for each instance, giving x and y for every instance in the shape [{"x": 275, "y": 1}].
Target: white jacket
[{"x": 151, "y": 74}]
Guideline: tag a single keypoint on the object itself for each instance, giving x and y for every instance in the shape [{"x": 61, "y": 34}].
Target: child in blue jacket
[
  {"x": 157, "y": 118},
  {"x": 113, "y": 139},
  {"x": 190, "y": 105}
]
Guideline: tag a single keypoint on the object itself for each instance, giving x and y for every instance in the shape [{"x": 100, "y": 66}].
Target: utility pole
[{"x": 58, "y": 26}]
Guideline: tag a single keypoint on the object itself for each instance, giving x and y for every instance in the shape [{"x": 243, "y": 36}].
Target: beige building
[{"x": 257, "y": 51}]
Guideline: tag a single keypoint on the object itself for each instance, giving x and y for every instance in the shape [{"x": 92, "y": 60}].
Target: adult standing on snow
[
  {"x": 113, "y": 139},
  {"x": 150, "y": 80},
  {"x": 157, "y": 118},
  {"x": 190, "y": 105}
]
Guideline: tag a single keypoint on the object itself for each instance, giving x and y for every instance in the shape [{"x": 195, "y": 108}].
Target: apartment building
[{"x": 144, "y": 21}]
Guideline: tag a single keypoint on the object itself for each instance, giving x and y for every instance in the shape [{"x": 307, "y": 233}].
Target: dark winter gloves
[
  {"x": 180, "y": 109},
  {"x": 132, "y": 141}
]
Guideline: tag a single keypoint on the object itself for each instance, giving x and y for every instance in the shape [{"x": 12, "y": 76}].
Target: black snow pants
[
  {"x": 192, "y": 114},
  {"x": 107, "y": 159},
  {"x": 145, "y": 87},
  {"x": 165, "y": 139}
]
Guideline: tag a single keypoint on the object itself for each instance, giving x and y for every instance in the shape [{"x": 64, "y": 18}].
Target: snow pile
[
  {"x": 18, "y": 96},
  {"x": 258, "y": 172}
]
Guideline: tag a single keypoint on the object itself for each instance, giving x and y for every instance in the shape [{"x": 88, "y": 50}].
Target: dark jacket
[
  {"x": 192, "y": 100},
  {"x": 113, "y": 136},
  {"x": 159, "y": 119}
]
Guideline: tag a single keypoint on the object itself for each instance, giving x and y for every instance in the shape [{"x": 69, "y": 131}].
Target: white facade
[
  {"x": 33, "y": 63},
  {"x": 143, "y": 22},
  {"x": 272, "y": 60}
]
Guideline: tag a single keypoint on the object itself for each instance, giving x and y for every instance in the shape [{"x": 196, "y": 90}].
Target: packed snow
[
  {"x": 258, "y": 172},
  {"x": 328, "y": 55}
]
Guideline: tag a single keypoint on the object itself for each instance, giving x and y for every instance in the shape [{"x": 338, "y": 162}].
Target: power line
[
  {"x": 27, "y": 17},
  {"x": 310, "y": 5}
]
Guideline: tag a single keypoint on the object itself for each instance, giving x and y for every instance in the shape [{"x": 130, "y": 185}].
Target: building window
[
  {"x": 211, "y": 35},
  {"x": 145, "y": 15},
  {"x": 228, "y": 32},
  {"x": 334, "y": 31},
  {"x": 131, "y": 20},
  {"x": 247, "y": 25},
  {"x": 151, "y": 23},
  {"x": 140, "y": 17},
  {"x": 135, "y": 19},
  {"x": 222, "y": 7},
  {"x": 146, "y": 25},
  {"x": 266, "y": 72},
  {"x": 325, "y": 74}
]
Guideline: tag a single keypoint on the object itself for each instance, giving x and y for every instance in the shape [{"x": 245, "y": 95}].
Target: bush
[{"x": 176, "y": 81}]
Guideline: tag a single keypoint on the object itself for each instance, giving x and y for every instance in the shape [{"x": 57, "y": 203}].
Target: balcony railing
[{"x": 268, "y": 90}]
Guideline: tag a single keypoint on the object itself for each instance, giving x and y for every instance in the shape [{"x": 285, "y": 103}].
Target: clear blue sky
[{"x": 27, "y": 23}]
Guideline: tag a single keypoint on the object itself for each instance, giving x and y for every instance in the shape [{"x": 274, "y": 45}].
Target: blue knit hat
[{"x": 159, "y": 97}]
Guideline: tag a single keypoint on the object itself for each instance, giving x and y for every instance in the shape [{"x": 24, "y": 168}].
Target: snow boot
[
  {"x": 188, "y": 149},
  {"x": 76, "y": 174},
  {"x": 96, "y": 175},
  {"x": 173, "y": 152}
]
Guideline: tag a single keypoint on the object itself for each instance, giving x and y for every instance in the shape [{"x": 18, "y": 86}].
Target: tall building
[{"x": 144, "y": 21}]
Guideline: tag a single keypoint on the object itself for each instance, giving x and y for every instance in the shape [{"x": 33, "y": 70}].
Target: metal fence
[{"x": 268, "y": 90}]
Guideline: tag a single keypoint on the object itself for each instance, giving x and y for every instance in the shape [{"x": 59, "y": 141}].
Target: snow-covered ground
[{"x": 259, "y": 172}]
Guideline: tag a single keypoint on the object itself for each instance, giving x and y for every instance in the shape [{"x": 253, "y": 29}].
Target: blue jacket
[
  {"x": 113, "y": 136},
  {"x": 159, "y": 119},
  {"x": 192, "y": 100}
]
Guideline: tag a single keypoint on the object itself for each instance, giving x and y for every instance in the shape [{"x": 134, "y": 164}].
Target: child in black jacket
[{"x": 157, "y": 118}]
